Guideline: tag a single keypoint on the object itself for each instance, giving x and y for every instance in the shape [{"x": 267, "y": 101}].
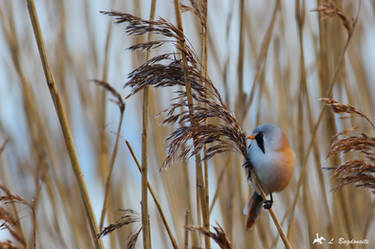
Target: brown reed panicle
[
  {"x": 130, "y": 216},
  {"x": 219, "y": 236},
  {"x": 222, "y": 131},
  {"x": 329, "y": 9},
  {"x": 360, "y": 171}
]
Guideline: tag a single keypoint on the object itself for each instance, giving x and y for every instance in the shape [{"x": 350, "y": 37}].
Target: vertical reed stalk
[
  {"x": 145, "y": 216},
  {"x": 199, "y": 171},
  {"x": 204, "y": 39},
  {"x": 63, "y": 122}
]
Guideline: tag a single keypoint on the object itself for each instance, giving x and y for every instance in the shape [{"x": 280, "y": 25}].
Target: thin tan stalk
[
  {"x": 157, "y": 203},
  {"x": 204, "y": 71},
  {"x": 104, "y": 151},
  {"x": 233, "y": 180},
  {"x": 103, "y": 136},
  {"x": 199, "y": 172},
  {"x": 109, "y": 177},
  {"x": 103, "y": 147},
  {"x": 64, "y": 123},
  {"x": 186, "y": 237},
  {"x": 261, "y": 58},
  {"x": 145, "y": 216},
  {"x": 240, "y": 65}
]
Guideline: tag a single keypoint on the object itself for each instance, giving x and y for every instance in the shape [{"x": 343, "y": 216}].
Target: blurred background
[{"x": 286, "y": 52}]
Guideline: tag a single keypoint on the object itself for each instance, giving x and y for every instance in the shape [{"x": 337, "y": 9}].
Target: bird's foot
[{"x": 267, "y": 204}]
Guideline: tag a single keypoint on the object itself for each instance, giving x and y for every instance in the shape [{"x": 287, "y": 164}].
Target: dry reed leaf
[
  {"x": 113, "y": 91},
  {"x": 216, "y": 126},
  {"x": 219, "y": 236},
  {"x": 130, "y": 216},
  {"x": 133, "y": 239}
]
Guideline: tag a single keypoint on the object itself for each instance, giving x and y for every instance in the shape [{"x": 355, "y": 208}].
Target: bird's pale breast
[{"x": 274, "y": 169}]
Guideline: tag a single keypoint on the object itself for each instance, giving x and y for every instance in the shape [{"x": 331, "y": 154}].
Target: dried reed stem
[
  {"x": 204, "y": 73},
  {"x": 111, "y": 166},
  {"x": 104, "y": 153},
  {"x": 157, "y": 203},
  {"x": 240, "y": 63},
  {"x": 64, "y": 123},
  {"x": 145, "y": 216},
  {"x": 106, "y": 86}
]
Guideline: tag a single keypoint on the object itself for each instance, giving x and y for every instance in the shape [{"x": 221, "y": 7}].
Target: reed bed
[{"x": 135, "y": 115}]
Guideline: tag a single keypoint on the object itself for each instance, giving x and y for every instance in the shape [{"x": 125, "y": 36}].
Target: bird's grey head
[{"x": 269, "y": 137}]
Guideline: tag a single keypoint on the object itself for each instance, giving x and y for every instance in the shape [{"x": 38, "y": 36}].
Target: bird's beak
[{"x": 251, "y": 137}]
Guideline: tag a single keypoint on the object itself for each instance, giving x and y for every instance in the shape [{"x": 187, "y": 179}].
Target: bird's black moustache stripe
[{"x": 260, "y": 141}]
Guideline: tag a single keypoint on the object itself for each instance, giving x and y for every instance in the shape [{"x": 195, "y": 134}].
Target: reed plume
[
  {"x": 221, "y": 132},
  {"x": 359, "y": 171},
  {"x": 130, "y": 216}
]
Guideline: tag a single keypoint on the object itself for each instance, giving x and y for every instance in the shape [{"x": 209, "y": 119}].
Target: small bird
[{"x": 272, "y": 159}]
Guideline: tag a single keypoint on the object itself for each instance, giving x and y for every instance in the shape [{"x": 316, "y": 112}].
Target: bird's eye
[{"x": 260, "y": 141}]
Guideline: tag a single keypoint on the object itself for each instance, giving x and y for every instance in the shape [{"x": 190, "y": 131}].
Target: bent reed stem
[
  {"x": 64, "y": 123},
  {"x": 157, "y": 203}
]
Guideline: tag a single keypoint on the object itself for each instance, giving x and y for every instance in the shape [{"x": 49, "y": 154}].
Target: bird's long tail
[{"x": 253, "y": 209}]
